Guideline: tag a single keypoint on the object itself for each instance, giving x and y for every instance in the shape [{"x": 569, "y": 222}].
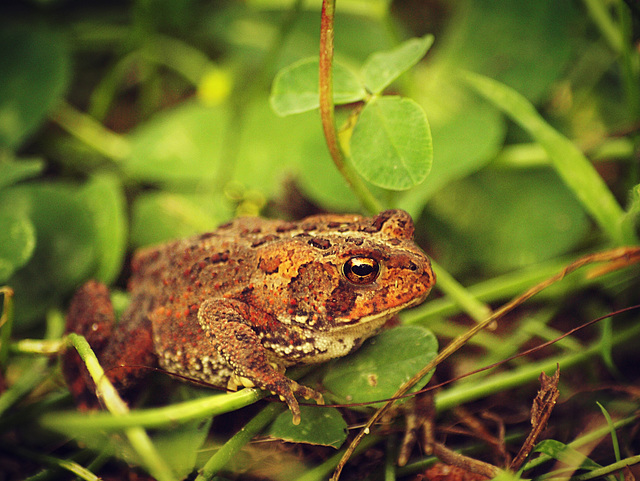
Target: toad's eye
[{"x": 361, "y": 270}]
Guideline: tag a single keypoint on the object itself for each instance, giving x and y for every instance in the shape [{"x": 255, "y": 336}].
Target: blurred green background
[{"x": 129, "y": 123}]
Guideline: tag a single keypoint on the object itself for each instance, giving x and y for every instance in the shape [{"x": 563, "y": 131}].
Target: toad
[{"x": 237, "y": 306}]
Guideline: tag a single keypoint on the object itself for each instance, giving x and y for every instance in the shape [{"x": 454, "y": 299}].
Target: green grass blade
[
  {"x": 231, "y": 448},
  {"x": 614, "y": 437},
  {"x": 137, "y": 436},
  {"x": 569, "y": 162}
]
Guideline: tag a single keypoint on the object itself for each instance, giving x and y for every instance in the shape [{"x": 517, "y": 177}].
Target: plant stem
[
  {"x": 24, "y": 385},
  {"x": 156, "y": 417},
  {"x": 459, "y": 295},
  {"x": 181, "y": 57},
  {"x": 106, "y": 90},
  {"x": 600, "y": 16},
  {"x": 220, "y": 459},
  {"x": 507, "y": 285},
  {"x": 137, "y": 436},
  {"x": 326, "y": 82},
  {"x": 113, "y": 146},
  {"x": 320, "y": 472},
  {"x": 466, "y": 392},
  {"x": 57, "y": 463},
  {"x": 527, "y": 155},
  {"x": 327, "y": 111},
  {"x": 6, "y": 325},
  {"x": 390, "y": 459},
  {"x": 610, "y": 469},
  {"x": 38, "y": 370}
]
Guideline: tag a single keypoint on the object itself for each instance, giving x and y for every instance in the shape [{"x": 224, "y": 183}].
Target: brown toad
[{"x": 239, "y": 305}]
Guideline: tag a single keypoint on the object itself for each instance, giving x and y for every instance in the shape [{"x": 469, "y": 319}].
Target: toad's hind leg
[{"x": 91, "y": 315}]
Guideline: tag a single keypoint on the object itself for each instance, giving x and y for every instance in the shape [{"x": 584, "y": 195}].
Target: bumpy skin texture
[{"x": 239, "y": 305}]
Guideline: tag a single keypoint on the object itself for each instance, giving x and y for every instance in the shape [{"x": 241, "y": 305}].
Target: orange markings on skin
[{"x": 259, "y": 274}]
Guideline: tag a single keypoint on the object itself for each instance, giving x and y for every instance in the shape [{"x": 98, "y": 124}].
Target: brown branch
[
  {"x": 327, "y": 110},
  {"x": 543, "y": 404},
  {"x": 448, "y": 456}
]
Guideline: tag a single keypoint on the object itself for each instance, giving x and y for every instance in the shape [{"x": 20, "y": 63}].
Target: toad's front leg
[{"x": 225, "y": 323}]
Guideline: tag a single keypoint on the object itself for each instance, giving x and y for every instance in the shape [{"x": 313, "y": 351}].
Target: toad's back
[{"x": 241, "y": 303}]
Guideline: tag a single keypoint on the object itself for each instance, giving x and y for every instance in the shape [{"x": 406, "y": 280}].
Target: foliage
[{"x": 508, "y": 129}]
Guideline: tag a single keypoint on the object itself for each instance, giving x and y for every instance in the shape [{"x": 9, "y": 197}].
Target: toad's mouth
[{"x": 344, "y": 323}]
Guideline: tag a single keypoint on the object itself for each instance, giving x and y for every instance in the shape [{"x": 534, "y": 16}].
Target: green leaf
[
  {"x": 391, "y": 144},
  {"x": 104, "y": 197},
  {"x": 612, "y": 430},
  {"x": 570, "y": 163},
  {"x": 632, "y": 217},
  {"x": 182, "y": 147},
  {"x": 33, "y": 77},
  {"x": 179, "y": 447},
  {"x": 65, "y": 251},
  {"x": 566, "y": 454},
  {"x": 17, "y": 241},
  {"x": 507, "y": 476},
  {"x": 319, "y": 425},
  {"x": 162, "y": 216},
  {"x": 296, "y": 87},
  {"x": 321, "y": 181},
  {"x": 467, "y": 133},
  {"x": 382, "y": 68},
  {"x": 382, "y": 365},
  {"x": 12, "y": 172},
  {"x": 503, "y": 220},
  {"x": 273, "y": 147},
  {"x": 178, "y": 145},
  {"x": 539, "y": 33}
]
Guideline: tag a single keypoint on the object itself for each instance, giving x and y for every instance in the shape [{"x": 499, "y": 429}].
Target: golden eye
[{"x": 361, "y": 270}]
